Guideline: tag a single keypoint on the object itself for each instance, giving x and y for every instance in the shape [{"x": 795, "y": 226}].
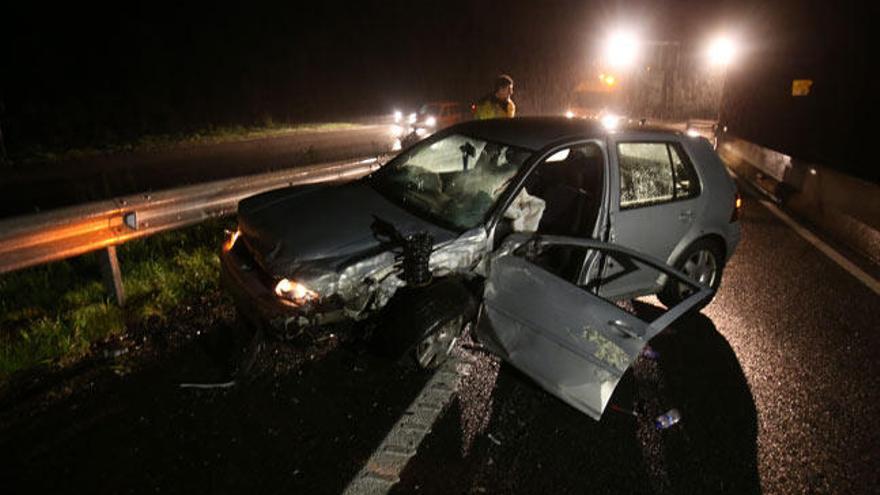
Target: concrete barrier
[{"x": 844, "y": 207}]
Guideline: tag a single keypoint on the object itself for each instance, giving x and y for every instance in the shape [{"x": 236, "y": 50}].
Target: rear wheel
[{"x": 703, "y": 263}]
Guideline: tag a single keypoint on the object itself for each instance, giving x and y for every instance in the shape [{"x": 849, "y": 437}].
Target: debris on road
[
  {"x": 667, "y": 419},
  {"x": 650, "y": 353},
  {"x": 205, "y": 386},
  {"x": 615, "y": 407}
]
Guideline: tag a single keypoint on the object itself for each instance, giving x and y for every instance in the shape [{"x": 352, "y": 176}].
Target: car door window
[
  {"x": 605, "y": 272},
  {"x": 562, "y": 194},
  {"x": 652, "y": 173},
  {"x": 687, "y": 185}
]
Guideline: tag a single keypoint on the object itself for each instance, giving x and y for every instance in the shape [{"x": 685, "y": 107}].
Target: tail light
[{"x": 737, "y": 207}]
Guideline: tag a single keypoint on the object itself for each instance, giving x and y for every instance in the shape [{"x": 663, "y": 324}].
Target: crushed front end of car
[{"x": 289, "y": 266}]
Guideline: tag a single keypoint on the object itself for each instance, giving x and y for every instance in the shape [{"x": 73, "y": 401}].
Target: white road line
[
  {"x": 383, "y": 468},
  {"x": 838, "y": 258}
]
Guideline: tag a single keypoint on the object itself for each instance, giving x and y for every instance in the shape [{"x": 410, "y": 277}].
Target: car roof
[{"x": 537, "y": 132}]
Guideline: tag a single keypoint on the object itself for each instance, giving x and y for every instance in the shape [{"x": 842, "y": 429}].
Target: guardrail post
[{"x": 112, "y": 274}]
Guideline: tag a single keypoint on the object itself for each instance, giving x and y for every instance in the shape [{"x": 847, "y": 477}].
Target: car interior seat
[
  {"x": 572, "y": 190},
  {"x": 566, "y": 188}
]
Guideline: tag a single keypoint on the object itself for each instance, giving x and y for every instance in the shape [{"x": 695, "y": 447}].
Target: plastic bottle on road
[{"x": 667, "y": 419}]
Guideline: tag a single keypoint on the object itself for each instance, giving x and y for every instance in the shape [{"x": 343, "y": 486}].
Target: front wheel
[
  {"x": 436, "y": 347},
  {"x": 703, "y": 263}
]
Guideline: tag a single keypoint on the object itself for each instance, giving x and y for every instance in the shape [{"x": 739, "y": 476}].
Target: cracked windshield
[{"x": 454, "y": 180}]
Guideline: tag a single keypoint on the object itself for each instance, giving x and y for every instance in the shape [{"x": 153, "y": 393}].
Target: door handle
[{"x": 624, "y": 328}]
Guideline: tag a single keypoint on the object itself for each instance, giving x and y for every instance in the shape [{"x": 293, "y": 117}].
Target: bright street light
[
  {"x": 621, "y": 49},
  {"x": 721, "y": 51}
]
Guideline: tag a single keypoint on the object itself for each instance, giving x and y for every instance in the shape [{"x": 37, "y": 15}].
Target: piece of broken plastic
[{"x": 667, "y": 419}]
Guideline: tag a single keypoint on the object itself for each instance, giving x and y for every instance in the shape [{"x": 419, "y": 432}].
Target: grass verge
[
  {"x": 160, "y": 142},
  {"x": 55, "y": 314}
]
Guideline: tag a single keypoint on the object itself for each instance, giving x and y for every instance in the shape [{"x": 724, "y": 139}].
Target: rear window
[{"x": 652, "y": 173}]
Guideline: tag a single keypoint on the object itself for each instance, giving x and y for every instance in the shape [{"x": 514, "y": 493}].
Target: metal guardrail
[{"x": 40, "y": 238}]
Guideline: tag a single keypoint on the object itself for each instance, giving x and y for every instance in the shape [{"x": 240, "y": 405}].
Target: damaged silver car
[{"x": 552, "y": 235}]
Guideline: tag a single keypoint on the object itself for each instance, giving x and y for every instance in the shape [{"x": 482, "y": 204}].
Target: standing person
[{"x": 497, "y": 104}]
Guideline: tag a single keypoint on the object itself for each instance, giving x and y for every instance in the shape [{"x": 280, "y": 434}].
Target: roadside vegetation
[
  {"x": 160, "y": 142},
  {"x": 57, "y": 313}
]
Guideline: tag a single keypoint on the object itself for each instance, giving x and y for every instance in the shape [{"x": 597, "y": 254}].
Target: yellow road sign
[{"x": 801, "y": 87}]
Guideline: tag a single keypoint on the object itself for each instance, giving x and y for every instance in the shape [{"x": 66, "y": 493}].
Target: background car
[
  {"x": 430, "y": 118},
  {"x": 440, "y": 114}
]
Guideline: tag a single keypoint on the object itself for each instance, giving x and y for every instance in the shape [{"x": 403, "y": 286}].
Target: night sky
[{"x": 84, "y": 75}]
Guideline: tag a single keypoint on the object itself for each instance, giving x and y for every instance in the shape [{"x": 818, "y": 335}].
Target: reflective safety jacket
[{"x": 491, "y": 107}]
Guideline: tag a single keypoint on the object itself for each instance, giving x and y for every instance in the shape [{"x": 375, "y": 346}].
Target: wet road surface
[
  {"x": 775, "y": 381},
  {"x": 42, "y": 187}
]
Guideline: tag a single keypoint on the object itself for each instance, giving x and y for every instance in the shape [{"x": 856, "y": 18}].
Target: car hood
[{"x": 288, "y": 228}]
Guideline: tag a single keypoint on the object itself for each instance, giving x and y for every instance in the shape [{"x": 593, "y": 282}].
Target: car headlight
[
  {"x": 430, "y": 121},
  {"x": 398, "y": 116},
  {"x": 412, "y": 118},
  {"x": 295, "y": 292},
  {"x": 610, "y": 121}
]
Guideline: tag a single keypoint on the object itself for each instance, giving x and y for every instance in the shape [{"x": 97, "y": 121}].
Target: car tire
[
  {"x": 436, "y": 347},
  {"x": 702, "y": 261},
  {"x": 421, "y": 325}
]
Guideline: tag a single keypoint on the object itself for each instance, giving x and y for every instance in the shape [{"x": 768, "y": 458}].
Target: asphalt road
[
  {"x": 41, "y": 187},
  {"x": 775, "y": 382}
]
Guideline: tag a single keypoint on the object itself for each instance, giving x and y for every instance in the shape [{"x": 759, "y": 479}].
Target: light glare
[
  {"x": 230, "y": 242},
  {"x": 294, "y": 291},
  {"x": 621, "y": 49},
  {"x": 721, "y": 51},
  {"x": 610, "y": 121}
]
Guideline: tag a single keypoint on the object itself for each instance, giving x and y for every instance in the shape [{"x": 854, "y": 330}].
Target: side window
[
  {"x": 652, "y": 173},
  {"x": 687, "y": 185}
]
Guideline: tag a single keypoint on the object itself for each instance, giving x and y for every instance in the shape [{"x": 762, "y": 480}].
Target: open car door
[{"x": 562, "y": 333}]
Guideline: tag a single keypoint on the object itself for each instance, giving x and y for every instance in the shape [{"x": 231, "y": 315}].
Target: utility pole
[{"x": 669, "y": 60}]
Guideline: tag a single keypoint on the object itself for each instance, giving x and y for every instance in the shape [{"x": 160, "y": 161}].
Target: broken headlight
[{"x": 294, "y": 292}]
